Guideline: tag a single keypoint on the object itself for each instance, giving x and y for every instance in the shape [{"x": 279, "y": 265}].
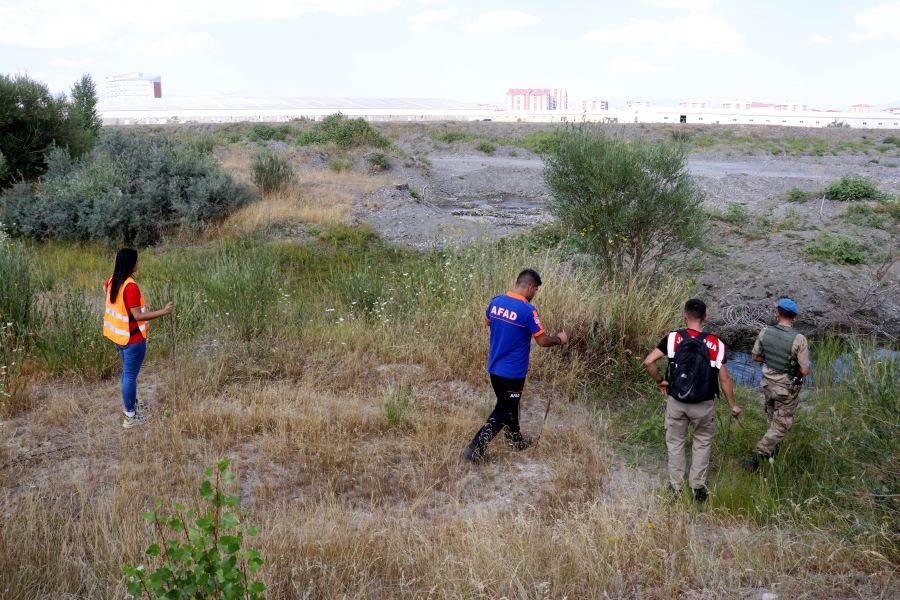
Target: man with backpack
[
  {"x": 785, "y": 356},
  {"x": 696, "y": 373}
]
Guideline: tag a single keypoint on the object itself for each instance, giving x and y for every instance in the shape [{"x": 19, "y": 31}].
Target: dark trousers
[{"x": 506, "y": 412}]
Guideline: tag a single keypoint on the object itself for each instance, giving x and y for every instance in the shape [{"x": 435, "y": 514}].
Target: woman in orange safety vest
[{"x": 125, "y": 323}]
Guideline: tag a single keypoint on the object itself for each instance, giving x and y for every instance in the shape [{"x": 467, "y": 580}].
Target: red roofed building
[{"x": 536, "y": 99}]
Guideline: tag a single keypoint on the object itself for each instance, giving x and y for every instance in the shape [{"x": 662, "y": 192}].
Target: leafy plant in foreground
[{"x": 202, "y": 556}]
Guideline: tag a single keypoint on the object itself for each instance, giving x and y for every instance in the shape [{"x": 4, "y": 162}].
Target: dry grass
[
  {"x": 319, "y": 197},
  {"x": 351, "y": 507}
]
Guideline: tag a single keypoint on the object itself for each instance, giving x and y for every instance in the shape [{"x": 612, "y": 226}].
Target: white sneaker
[{"x": 134, "y": 421}]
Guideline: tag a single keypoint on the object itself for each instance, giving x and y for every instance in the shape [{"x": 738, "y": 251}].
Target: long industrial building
[{"x": 228, "y": 109}]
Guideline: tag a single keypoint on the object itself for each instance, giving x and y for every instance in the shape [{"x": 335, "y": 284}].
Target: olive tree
[{"x": 629, "y": 203}]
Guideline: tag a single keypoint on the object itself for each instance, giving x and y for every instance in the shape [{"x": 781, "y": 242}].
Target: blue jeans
[{"x": 132, "y": 359}]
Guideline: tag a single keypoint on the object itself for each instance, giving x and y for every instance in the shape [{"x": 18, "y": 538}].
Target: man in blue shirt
[{"x": 514, "y": 322}]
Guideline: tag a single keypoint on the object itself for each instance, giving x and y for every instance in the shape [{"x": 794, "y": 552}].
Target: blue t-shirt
[{"x": 514, "y": 321}]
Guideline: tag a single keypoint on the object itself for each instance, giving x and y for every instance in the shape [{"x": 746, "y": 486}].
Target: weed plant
[
  {"x": 486, "y": 147},
  {"x": 837, "y": 249},
  {"x": 851, "y": 188},
  {"x": 380, "y": 161},
  {"x": 343, "y": 132},
  {"x": 271, "y": 171}
]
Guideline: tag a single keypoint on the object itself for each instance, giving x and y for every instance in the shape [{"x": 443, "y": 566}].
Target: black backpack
[{"x": 690, "y": 373}]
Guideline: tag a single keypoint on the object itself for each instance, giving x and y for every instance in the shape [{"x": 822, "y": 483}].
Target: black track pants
[{"x": 506, "y": 412}]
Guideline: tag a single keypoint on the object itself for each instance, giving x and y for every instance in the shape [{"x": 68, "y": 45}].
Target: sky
[{"x": 826, "y": 53}]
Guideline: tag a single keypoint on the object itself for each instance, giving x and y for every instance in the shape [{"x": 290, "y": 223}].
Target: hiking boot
[
  {"x": 756, "y": 459},
  {"x": 701, "y": 494},
  {"x": 134, "y": 421},
  {"x": 517, "y": 441},
  {"x": 473, "y": 453}
]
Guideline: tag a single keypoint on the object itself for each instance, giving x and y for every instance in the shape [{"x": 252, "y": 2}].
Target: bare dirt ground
[{"x": 465, "y": 195}]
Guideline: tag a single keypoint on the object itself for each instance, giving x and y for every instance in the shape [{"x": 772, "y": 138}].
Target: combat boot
[
  {"x": 474, "y": 453},
  {"x": 756, "y": 459},
  {"x": 517, "y": 441}
]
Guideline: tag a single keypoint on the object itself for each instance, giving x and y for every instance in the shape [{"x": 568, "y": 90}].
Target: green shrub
[
  {"x": 271, "y": 171},
  {"x": 233, "y": 137},
  {"x": 339, "y": 164},
  {"x": 864, "y": 216},
  {"x": 736, "y": 214},
  {"x": 837, "y": 249},
  {"x": 341, "y": 131},
  {"x": 262, "y": 132},
  {"x": 852, "y": 187},
  {"x": 680, "y": 136},
  {"x": 451, "y": 137},
  {"x": 542, "y": 142},
  {"x": 627, "y": 203},
  {"x": 891, "y": 139},
  {"x": 133, "y": 190},
  {"x": 200, "y": 555},
  {"x": 798, "y": 195},
  {"x": 380, "y": 161},
  {"x": 486, "y": 147}
]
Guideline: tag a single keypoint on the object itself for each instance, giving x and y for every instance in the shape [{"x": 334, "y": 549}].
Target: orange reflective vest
[{"x": 115, "y": 319}]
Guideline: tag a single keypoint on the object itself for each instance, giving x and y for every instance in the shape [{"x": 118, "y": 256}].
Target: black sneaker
[
  {"x": 473, "y": 453},
  {"x": 701, "y": 494}
]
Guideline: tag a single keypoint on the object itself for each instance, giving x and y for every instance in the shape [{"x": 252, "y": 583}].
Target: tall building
[
  {"x": 537, "y": 99},
  {"x": 134, "y": 84}
]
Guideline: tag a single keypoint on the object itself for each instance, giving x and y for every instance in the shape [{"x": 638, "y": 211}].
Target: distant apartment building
[
  {"x": 536, "y": 99},
  {"x": 692, "y": 104},
  {"x": 792, "y": 106},
  {"x": 135, "y": 85},
  {"x": 594, "y": 105},
  {"x": 637, "y": 104},
  {"x": 861, "y": 108}
]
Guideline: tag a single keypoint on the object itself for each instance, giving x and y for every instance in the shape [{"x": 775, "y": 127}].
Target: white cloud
[
  {"x": 819, "y": 39},
  {"x": 877, "y": 22},
  {"x": 684, "y": 4},
  {"x": 61, "y": 23},
  {"x": 65, "y": 62},
  {"x": 177, "y": 43},
  {"x": 695, "y": 30},
  {"x": 626, "y": 65},
  {"x": 502, "y": 20},
  {"x": 422, "y": 20}
]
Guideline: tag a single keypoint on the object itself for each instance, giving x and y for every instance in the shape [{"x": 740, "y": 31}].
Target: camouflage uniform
[{"x": 784, "y": 352}]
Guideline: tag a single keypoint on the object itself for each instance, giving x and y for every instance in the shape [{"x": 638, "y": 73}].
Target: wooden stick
[{"x": 174, "y": 358}]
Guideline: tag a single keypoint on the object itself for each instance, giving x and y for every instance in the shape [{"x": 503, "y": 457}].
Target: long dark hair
[{"x": 126, "y": 259}]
